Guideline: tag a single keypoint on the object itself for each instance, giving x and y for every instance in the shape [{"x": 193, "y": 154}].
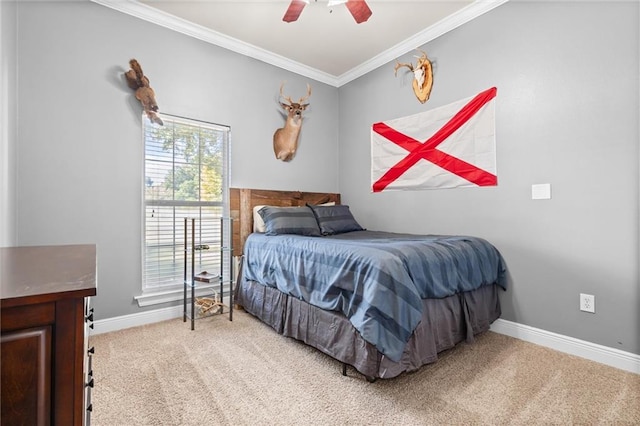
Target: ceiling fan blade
[
  {"x": 359, "y": 9},
  {"x": 294, "y": 10}
]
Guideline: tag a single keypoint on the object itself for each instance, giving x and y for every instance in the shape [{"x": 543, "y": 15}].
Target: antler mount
[{"x": 423, "y": 76}]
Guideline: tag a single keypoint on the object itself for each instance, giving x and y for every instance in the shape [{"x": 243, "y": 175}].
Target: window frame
[{"x": 151, "y": 295}]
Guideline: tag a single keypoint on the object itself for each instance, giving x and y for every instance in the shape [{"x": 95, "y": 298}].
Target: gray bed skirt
[{"x": 445, "y": 322}]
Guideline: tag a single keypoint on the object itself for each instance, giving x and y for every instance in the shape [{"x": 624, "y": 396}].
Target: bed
[{"x": 383, "y": 303}]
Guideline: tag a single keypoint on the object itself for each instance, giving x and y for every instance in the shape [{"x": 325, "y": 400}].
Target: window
[{"x": 186, "y": 175}]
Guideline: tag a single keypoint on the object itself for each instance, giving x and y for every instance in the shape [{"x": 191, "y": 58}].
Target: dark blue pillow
[
  {"x": 289, "y": 220},
  {"x": 335, "y": 219}
]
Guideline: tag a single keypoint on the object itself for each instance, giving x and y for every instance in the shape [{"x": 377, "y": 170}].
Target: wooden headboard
[{"x": 243, "y": 200}]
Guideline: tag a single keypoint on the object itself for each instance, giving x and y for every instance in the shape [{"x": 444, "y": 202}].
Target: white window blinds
[{"x": 186, "y": 175}]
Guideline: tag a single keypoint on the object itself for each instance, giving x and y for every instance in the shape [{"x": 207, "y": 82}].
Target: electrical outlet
[{"x": 588, "y": 303}]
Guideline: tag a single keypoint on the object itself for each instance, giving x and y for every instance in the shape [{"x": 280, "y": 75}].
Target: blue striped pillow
[
  {"x": 335, "y": 219},
  {"x": 289, "y": 220}
]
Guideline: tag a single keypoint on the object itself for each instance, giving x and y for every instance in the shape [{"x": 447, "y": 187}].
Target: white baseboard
[
  {"x": 135, "y": 320},
  {"x": 592, "y": 351},
  {"x": 142, "y": 318}
]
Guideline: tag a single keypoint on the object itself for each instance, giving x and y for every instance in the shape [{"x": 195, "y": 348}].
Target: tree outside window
[{"x": 186, "y": 176}]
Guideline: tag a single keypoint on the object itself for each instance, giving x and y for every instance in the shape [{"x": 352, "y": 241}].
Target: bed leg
[{"x": 370, "y": 379}]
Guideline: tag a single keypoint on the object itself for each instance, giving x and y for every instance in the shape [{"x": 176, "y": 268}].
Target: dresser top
[{"x": 34, "y": 274}]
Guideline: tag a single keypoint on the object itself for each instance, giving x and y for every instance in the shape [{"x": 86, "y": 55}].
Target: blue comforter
[{"x": 376, "y": 279}]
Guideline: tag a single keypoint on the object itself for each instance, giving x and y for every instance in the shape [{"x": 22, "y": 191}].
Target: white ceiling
[{"x": 325, "y": 43}]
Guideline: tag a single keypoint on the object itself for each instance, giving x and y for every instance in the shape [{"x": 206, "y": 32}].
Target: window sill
[{"x": 168, "y": 296}]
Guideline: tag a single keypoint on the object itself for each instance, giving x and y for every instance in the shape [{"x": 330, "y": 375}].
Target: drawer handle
[
  {"x": 91, "y": 350},
  {"x": 90, "y": 408},
  {"x": 89, "y": 317},
  {"x": 90, "y": 383}
]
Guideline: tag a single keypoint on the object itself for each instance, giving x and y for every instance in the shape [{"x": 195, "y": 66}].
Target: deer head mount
[
  {"x": 285, "y": 139},
  {"x": 422, "y": 76}
]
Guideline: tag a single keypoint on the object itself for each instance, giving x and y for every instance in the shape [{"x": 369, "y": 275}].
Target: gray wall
[
  {"x": 7, "y": 122},
  {"x": 80, "y": 150},
  {"x": 566, "y": 114}
]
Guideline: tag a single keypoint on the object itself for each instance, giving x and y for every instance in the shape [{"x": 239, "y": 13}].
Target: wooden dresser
[{"x": 45, "y": 372}]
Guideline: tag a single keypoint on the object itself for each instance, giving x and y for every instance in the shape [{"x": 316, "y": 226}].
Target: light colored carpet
[{"x": 243, "y": 373}]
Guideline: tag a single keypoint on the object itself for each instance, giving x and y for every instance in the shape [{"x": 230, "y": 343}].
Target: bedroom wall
[
  {"x": 80, "y": 152},
  {"x": 567, "y": 113},
  {"x": 7, "y": 122}
]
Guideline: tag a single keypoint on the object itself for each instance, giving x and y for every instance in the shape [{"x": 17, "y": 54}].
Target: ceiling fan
[{"x": 358, "y": 8}]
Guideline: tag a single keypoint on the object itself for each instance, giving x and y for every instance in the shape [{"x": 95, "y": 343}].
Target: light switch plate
[{"x": 541, "y": 191}]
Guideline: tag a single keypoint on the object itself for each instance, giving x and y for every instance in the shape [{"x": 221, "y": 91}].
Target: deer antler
[
  {"x": 400, "y": 65},
  {"x": 286, "y": 98},
  {"x": 422, "y": 60},
  {"x": 304, "y": 98}
]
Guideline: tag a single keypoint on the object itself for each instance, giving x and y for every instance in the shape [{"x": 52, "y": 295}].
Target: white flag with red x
[{"x": 450, "y": 146}]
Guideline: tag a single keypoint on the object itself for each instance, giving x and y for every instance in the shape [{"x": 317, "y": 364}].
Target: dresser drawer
[{"x": 26, "y": 376}]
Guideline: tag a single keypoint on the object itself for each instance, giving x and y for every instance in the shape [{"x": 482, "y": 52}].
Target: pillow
[
  {"x": 289, "y": 220},
  {"x": 335, "y": 219},
  {"x": 258, "y": 223}
]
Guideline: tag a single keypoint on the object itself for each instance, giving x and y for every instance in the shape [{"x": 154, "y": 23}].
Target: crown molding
[
  {"x": 158, "y": 17},
  {"x": 453, "y": 21},
  {"x": 163, "y": 19}
]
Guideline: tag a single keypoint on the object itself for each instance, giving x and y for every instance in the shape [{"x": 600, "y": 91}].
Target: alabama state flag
[{"x": 447, "y": 147}]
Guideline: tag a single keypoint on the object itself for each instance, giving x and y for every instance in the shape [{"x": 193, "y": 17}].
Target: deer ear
[{"x": 304, "y": 106}]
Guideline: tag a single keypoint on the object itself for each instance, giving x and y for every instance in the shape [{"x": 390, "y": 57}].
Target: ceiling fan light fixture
[{"x": 358, "y": 9}]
